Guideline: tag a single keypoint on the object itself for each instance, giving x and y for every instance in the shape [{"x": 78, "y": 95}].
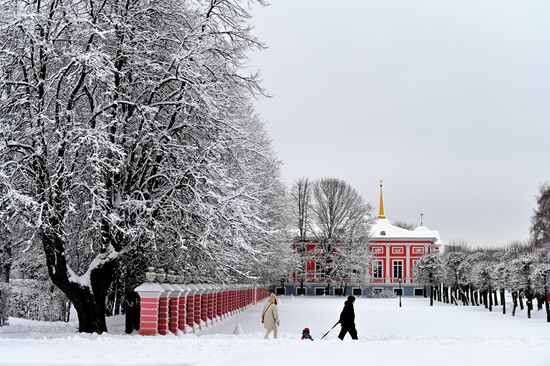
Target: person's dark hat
[{"x": 351, "y": 298}]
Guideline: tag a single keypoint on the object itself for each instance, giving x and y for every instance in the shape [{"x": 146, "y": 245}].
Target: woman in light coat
[{"x": 270, "y": 316}]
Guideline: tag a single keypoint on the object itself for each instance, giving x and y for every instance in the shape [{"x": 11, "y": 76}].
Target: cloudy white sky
[{"x": 447, "y": 101}]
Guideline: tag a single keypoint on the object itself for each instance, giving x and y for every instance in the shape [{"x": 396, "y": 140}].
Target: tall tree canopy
[
  {"x": 341, "y": 220},
  {"x": 126, "y": 127}
]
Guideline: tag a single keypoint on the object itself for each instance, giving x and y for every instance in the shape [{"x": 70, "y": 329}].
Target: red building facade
[{"x": 395, "y": 251}]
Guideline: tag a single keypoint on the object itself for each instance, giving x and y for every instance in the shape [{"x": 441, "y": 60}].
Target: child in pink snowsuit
[{"x": 306, "y": 334}]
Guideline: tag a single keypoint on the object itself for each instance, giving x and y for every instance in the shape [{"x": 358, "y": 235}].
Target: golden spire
[{"x": 381, "y": 213}]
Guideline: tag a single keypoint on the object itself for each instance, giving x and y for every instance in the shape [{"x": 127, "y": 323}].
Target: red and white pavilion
[{"x": 395, "y": 252}]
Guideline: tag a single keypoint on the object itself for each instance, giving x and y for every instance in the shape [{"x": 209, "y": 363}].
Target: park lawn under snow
[{"x": 388, "y": 335}]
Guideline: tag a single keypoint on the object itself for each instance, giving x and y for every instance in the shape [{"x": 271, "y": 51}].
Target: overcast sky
[{"x": 447, "y": 101}]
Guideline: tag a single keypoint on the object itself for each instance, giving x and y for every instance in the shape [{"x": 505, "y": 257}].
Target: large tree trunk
[
  {"x": 495, "y": 297},
  {"x": 90, "y": 307},
  {"x": 490, "y": 295},
  {"x": 91, "y": 316},
  {"x": 431, "y": 295},
  {"x": 87, "y": 295}
]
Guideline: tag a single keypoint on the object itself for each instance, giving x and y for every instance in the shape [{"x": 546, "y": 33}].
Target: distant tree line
[{"x": 486, "y": 276}]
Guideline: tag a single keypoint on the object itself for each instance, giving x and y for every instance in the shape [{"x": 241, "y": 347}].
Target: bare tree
[
  {"x": 404, "y": 225},
  {"x": 540, "y": 222},
  {"x": 341, "y": 220},
  {"x": 301, "y": 197},
  {"x": 457, "y": 245}
]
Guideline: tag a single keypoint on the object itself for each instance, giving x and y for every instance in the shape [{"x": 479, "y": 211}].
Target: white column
[
  {"x": 388, "y": 264},
  {"x": 407, "y": 276}
]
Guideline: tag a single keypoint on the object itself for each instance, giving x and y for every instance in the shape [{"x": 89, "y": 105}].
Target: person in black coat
[{"x": 347, "y": 319}]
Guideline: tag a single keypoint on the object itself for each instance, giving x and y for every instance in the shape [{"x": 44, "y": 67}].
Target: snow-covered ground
[{"x": 388, "y": 335}]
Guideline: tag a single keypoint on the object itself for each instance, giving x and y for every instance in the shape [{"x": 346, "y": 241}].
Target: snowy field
[{"x": 388, "y": 335}]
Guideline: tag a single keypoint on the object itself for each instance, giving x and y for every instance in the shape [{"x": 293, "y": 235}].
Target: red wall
[{"x": 397, "y": 250}]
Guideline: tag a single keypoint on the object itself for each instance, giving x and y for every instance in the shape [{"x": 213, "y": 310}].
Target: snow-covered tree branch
[{"x": 126, "y": 129}]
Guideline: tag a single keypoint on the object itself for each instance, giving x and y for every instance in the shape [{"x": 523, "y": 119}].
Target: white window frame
[
  {"x": 418, "y": 288},
  {"x": 393, "y": 268},
  {"x": 374, "y": 289},
  {"x": 381, "y": 262},
  {"x": 296, "y": 291},
  {"x": 397, "y": 289},
  {"x": 357, "y": 288},
  {"x": 377, "y": 250},
  {"x": 397, "y": 250}
]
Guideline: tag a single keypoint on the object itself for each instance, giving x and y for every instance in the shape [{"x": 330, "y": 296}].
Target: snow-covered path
[{"x": 388, "y": 335}]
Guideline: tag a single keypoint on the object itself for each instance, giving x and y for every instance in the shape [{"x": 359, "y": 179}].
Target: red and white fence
[{"x": 181, "y": 308}]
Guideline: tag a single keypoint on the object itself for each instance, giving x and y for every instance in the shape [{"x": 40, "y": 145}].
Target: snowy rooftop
[{"x": 384, "y": 229}]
